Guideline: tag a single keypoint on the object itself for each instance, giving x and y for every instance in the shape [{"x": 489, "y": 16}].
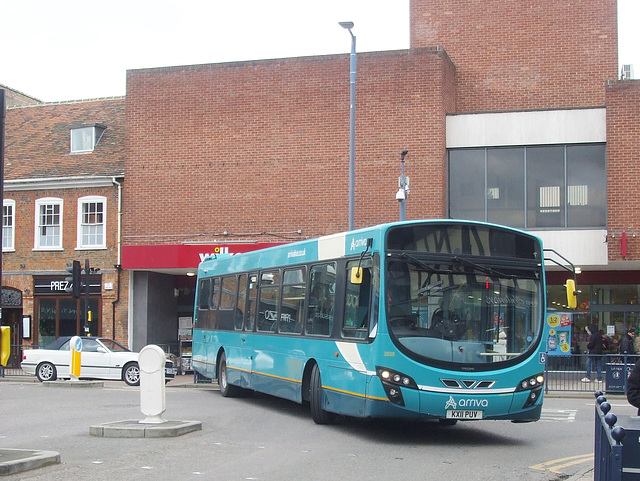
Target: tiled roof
[{"x": 37, "y": 140}]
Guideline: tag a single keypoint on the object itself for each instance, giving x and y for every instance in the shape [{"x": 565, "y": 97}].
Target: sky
[{"x": 56, "y": 50}]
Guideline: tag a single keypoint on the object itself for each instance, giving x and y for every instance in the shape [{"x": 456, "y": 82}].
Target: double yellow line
[{"x": 556, "y": 465}]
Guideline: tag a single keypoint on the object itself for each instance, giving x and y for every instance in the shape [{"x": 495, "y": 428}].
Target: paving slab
[
  {"x": 136, "y": 429},
  {"x": 14, "y": 461}
]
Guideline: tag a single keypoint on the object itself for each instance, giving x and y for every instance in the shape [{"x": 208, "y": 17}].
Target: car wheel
[
  {"x": 131, "y": 374},
  {"x": 46, "y": 372},
  {"x": 319, "y": 415}
]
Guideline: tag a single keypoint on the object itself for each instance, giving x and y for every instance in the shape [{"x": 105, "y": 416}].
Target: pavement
[{"x": 14, "y": 461}]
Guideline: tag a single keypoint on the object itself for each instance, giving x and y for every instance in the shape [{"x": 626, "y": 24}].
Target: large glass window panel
[
  {"x": 586, "y": 186},
  {"x": 47, "y": 311},
  {"x": 505, "y": 186},
  {"x": 545, "y": 186},
  {"x": 466, "y": 184},
  {"x": 68, "y": 317}
]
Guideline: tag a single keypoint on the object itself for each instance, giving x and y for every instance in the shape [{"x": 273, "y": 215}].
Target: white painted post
[{"x": 152, "y": 393}]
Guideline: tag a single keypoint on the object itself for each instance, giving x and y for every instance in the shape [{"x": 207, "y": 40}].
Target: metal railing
[{"x": 568, "y": 373}]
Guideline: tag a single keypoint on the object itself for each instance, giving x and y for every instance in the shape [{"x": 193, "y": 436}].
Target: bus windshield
[{"x": 450, "y": 301}]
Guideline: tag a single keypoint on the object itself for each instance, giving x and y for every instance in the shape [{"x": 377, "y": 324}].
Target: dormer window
[{"x": 84, "y": 138}]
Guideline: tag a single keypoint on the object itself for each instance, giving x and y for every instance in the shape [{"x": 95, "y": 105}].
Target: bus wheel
[
  {"x": 226, "y": 389},
  {"x": 319, "y": 415}
]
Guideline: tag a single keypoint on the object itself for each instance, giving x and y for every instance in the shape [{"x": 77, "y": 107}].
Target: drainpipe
[{"x": 118, "y": 266}]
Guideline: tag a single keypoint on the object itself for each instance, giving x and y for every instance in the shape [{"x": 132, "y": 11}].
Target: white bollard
[{"x": 152, "y": 393}]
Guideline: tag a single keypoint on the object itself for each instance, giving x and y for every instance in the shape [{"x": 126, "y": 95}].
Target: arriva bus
[{"x": 423, "y": 319}]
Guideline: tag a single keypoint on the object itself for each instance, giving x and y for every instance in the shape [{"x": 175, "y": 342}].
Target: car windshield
[
  {"x": 461, "y": 310},
  {"x": 113, "y": 345}
]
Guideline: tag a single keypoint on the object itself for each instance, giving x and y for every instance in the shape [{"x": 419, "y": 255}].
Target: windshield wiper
[
  {"x": 417, "y": 262},
  {"x": 484, "y": 269}
]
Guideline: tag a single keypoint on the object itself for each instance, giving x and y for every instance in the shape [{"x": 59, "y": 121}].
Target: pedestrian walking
[
  {"x": 626, "y": 342},
  {"x": 594, "y": 348},
  {"x": 633, "y": 387}
]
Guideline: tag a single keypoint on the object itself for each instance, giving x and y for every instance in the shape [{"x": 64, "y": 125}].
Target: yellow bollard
[
  {"x": 75, "y": 346},
  {"x": 5, "y": 345}
]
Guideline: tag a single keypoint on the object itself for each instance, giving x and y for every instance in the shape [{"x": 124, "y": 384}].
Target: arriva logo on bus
[{"x": 358, "y": 243}]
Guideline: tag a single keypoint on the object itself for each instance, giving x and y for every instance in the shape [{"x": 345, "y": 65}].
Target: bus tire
[
  {"x": 319, "y": 415},
  {"x": 226, "y": 389}
]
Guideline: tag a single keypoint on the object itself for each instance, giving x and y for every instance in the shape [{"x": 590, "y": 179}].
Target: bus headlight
[
  {"x": 533, "y": 384},
  {"x": 392, "y": 381}
]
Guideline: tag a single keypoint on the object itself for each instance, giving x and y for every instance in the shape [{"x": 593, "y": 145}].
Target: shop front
[
  {"x": 609, "y": 300},
  {"x": 58, "y": 314},
  {"x": 162, "y": 281}
]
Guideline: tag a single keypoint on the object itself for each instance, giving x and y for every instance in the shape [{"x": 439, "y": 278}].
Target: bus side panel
[
  {"x": 202, "y": 360},
  {"x": 344, "y": 389},
  {"x": 277, "y": 367}
]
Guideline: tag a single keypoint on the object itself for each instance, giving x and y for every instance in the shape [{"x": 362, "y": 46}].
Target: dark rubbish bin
[{"x": 617, "y": 374}]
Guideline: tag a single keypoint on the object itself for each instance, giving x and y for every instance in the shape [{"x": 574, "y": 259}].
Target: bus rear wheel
[
  {"x": 319, "y": 415},
  {"x": 226, "y": 389}
]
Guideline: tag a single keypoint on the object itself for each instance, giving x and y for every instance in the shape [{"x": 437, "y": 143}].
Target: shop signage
[
  {"x": 174, "y": 256},
  {"x": 56, "y": 285}
]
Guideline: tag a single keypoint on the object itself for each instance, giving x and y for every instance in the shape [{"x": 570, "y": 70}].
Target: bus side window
[
  {"x": 215, "y": 294},
  {"x": 204, "y": 296},
  {"x": 356, "y": 309},
  {"x": 228, "y": 300},
  {"x": 250, "y": 312},
  {"x": 294, "y": 285},
  {"x": 269, "y": 297},
  {"x": 321, "y": 303},
  {"x": 242, "y": 302}
]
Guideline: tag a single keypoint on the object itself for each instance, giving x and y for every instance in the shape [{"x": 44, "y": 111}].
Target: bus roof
[{"x": 332, "y": 246}]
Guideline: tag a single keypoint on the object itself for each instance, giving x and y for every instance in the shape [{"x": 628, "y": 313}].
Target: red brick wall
[
  {"x": 41, "y": 260},
  {"x": 263, "y": 147},
  {"x": 522, "y": 54},
  {"x": 623, "y": 166}
]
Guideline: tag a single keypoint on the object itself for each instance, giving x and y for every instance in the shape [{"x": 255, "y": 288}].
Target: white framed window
[
  {"x": 92, "y": 216},
  {"x": 85, "y": 138},
  {"x": 48, "y": 220},
  {"x": 8, "y": 225}
]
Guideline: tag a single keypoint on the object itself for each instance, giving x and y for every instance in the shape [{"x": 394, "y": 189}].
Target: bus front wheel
[
  {"x": 319, "y": 415},
  {"x": 226, "y": 389}
]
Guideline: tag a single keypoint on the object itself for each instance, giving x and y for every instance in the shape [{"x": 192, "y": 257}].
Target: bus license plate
[{"x": 463, "y": 414}]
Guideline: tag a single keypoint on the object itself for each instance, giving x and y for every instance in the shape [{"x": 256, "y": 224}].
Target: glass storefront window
[
  {"x": 46, "y": 321},
  {"x": 64, "y": 316}
]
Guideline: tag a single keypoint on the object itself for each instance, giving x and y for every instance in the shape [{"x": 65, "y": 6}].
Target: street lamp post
[
  {"x": 352, "y": 119},
  {"x": 403, "y": 191}
]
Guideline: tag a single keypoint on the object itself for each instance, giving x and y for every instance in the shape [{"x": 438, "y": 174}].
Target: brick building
[
  {"x": 519, "y": 121},
  {"x": 64, "y": 165}
]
